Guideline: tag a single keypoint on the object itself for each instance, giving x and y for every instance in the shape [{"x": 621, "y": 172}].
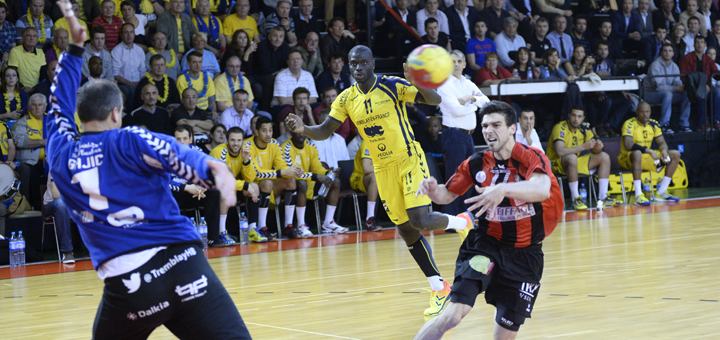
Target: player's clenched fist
[{"x": 295, "y": 123}]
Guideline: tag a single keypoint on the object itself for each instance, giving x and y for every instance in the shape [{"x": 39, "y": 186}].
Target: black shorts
[
  {"x": 176, "y": 288},
  {"x": 514, "y": 281}
]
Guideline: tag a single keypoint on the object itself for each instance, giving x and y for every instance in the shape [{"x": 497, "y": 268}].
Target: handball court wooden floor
[{"x": 627, "y": 273}]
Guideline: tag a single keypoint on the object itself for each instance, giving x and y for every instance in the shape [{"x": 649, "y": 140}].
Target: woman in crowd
[
  {"x": 580, "y": 64},
  {"x": 241, "y": 47},
  {"x": 551, "y": 60},
  {"x": 523, "y": 64},
  {"x": 492, "y": 73},
  {"x": 15, "y": 99},
  {"x": 676, "y": 39},
  {"x": 217, "y": 134}
]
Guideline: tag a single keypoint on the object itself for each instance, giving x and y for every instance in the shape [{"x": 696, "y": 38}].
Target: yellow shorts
[
  {"x": 582, "y": 165},
  {"x": 356, "y": 182},
  {"x": 397, "y": 185},
  {"x": 648, "y": 163}
]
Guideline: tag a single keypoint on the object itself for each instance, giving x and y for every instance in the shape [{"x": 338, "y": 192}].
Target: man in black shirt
[
  {"x": 149, "y": 115},
  {"x": 434, "y": 36},
  {"x": 493, "y": 15},
  {"x": 189, "y": 114},
  {"x": 334, "y": 75},
  {"x": 579, "y": 33},
  {"x": 305, "y": 22},
  {"x": 539, "y": 42},
  {"x": 271, "y": 57}
]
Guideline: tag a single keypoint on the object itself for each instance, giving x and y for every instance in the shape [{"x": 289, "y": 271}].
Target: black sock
[{"x": 422, "y": 253}]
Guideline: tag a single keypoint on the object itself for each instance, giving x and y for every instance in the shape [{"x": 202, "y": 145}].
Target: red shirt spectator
[
  {"x": 689, "y": 64},
  {"x": 112, "y": 29}
]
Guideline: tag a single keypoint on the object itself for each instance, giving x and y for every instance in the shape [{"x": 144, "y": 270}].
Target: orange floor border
[{"x": 357, "y": 237}]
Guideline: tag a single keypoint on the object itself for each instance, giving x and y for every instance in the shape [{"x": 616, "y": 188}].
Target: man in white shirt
[
  {"x": 508, "y": 41},
  {"x": 96, "y": 48},
  {"x": 333, "y": 149},
  {"x": 238, "y": 114},
  {"x": 461, "y": 99},
  {"x": 693, "y": 25},
  {"x": 561, "y": 41},
  {"x": 128, "y": 63},
  {"x": 291, "y": 78},
  {"x": 431, "y": 11},
  {"x": 526, "y": 134}
]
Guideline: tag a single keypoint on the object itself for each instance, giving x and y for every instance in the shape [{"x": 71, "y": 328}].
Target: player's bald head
[
  {"x": 643, "y": 104},
  {"x": 361, "y": 50}
]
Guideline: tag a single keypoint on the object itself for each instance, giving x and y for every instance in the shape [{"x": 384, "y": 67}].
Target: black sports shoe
[
  {"x": 290, "y": 232},
  {"x": 372, "y": 225},
  {"x": 265, "y": 232}
]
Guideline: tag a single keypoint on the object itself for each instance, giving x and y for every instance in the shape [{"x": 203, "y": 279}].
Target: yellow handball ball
[{"x": 430, "y": 66}]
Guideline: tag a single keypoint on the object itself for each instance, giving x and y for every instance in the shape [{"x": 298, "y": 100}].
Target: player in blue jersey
[{"x": 115, "y": 184}]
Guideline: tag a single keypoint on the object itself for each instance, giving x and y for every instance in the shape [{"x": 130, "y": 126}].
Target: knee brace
[
  {"x": 290, "y": 197},
  {"x": 508, "y": 319},
  {"x": 264, "y": 200}
]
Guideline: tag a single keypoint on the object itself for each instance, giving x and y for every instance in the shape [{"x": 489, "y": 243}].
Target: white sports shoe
[
  {"x": 304, "y": 232},
  {"x": 334, "y": 228}
]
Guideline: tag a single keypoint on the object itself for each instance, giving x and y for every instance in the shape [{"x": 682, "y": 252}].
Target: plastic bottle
[
  {"x": 20, "y": 249},
  {"x": 646, "y": 187},
  {"x": 244, "y": 229},
  {"x": 13, "y": 250},
  {"x": 529, "y": 72},
  {"x": 203, "y": 232},
  {"x": 323, "y": 188},
  {"x": 516, "y": 73},
  {"x": 583, "y": 193}
]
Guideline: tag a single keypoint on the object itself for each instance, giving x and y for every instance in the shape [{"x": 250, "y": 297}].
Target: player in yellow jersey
[
  {"x": 237, "y": 158},
  {"x": 636, "y": 154},
  {"x": 376, "y": 104},
  {"x": 363, "y": 179},
  {"x": 274, "y": 174},
  {"x": 303, "y": 153},
  {"x": 573, "y": 150}
]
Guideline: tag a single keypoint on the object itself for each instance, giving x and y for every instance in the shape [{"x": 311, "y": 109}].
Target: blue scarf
[
  {"x": 206, "y": 80},
  {"x": 232, "y": 85},
  {"x": 213, "y": 31}
]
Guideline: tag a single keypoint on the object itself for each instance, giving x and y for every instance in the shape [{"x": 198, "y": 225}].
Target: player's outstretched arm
[
  {"x": 429, "y": 97},
  {"x": 437, "y": 193},
  {"x": 535, "y": 189},
  {"x": 317, "y": 132}
]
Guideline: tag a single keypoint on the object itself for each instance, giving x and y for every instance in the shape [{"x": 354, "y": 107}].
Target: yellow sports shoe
[
  {"x": 438, "y": 300},
  {"x": 470, "y": 225},
  {"x": 256, "y": 236},
  {"x": 578, "y": 204}
]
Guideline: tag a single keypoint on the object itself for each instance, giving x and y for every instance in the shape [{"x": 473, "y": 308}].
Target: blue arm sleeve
[{"x": 60, "y": 123}]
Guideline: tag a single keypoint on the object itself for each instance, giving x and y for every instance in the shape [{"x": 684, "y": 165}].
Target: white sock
[
  {"x": 664, "y": 185},
  {"x": 457, "y": 223},
  {"x": 262, "y": 217},
  {"x": 603, "y": 184},
  {"x": 329, "y": 214},
  {"x": 370, "y": 210},
  {"x": 436, "y": 282},
  {"x": 638, "y": 187},
  {"x": 574, "y": 189},
  {"x": 289, "y": 214},
  {"x": 223, "y": 220},
  {"x": 300, "y": 212},
  {"x": 252, "y": 225}
]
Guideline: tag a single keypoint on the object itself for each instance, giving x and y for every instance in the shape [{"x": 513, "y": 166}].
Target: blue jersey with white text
[{"x": 115, "y": 183}]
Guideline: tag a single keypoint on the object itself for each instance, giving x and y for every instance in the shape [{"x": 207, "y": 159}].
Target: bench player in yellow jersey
[
  {"x": 363, "y": 179},
  {"x": 636, "y": 154},
  {"x": 376, "y": 104}
]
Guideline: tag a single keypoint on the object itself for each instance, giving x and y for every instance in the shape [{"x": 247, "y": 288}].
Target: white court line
[
  {"x": 568, "y": 334},
  {"x": 663, "y": 267},
  {"x": 351, "y": 297},
  {"x": 627, "y": 270},
  {"x": 698, "y": 265},
  {"x": 595, "y": 272},
  {"x": 318, "y": 301},
  {"x": 248, "y": 310},
  {"x": 301, "y": 331},
  {"x": 283, "y": 306}
]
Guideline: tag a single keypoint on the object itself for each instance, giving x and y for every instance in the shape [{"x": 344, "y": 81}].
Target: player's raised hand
[
  {"x": 224, "y": 181},
  {"x": 295, "y": 123},
  {"x": 245, "y": 153},
  {"x": 78, "y": 36},
  {"x": 427, "y": 188},
  {"x": 408, "y": 77},
  {"x": 488, "y": 199}
]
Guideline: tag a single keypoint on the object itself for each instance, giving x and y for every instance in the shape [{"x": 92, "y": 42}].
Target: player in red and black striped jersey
[{"x": 519, "y": 205}]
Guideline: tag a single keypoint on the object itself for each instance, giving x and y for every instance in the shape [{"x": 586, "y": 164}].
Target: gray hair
[
  {"x": 509, "y": 20},
  {"x": 284, "y": 1},
  {"x": 40, "y": 96},
  {"x": 459, "y": 54},
  {"x": 97, "y": 99}
]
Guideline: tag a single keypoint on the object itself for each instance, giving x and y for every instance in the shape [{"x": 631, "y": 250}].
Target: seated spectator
[
  {"x": 238, "y": 114},
  {"x": 29, "y": 140},
  {"x": 128, "y": 64},
  {"x": 54, "y": 206},
  {"x": 305, "y": 22},
  {"x": 28, "y": 59},
  {"x": 538, "y": 43},
  {"x": 507, "y": 42},
  {"x": 693, "y": 31},
  {"x": 523, "y": 65},
  {"x": 551, "y": 60},
  {"x": 333, "y": 149},
  {"x": 62, "y": 22},
  {"x": 281, "y": 17},
  {"x": 36, "y": 18},
  {"x": 347, "y": 129},
  {"x": 207, "y": 23},
  {"x": 96, "y": 48},
  {"x": 430, "y": 11},
  {"x": 434, "y": 36},
  {"x": 14, "y": 98},
  {"x": 560, "y": 40},
  {"x": 111, "y": 23},
  {"x": 666, "y": 14},
  {"x": 303, "y": 153},
  {"x": 605, "y": 30},
  {"x": 95, "y": 67},
  {"x": 59, "y": 45},
  {"x": 44, "y": 86},
  {"x": 227, "y": 83},
  {"x": 338, "y": 41},
  {"x": 677, "y": 39},
  {"x": 330, "y": 9},
  {"x": 691, "y": 11},
  {"x": 626, "y": 26},
  {"x": 177, "y": 26},
  {"x": 580, "y": 64},
  {"x": 292, "y": 78},
  {"x": 693, "y": 62},
  {"x": 243, "y": 48},
  {"x": 301, "y": 108},
  {"x": 189, "y": 114},
  {"x": 189, "y": 196},
  {"x": 159, "y": 47},
  {"x": 461, "y": 27},
  {"x": 651, "y": 46},
  {"x": 392, "y": 36},
  {"x": 217, "y": 137},
  {"x": 8, "y": 33},
  {"x": 645, "y": 24},
  {"x": 579, "y": 33},
  {"x": 167, "y": 89},
  {"x": 525, "y": 133},
  {"x": 491, "y": 72},
  {"x": 7, "y": 151},
  {"x": 550, "y": 9},
  {"x": 270, "y": 58},
  {"x": 242, "y": 21},
  {"x": 638, "y": 135},
  {"x": 363, "y": 179},
  {"x": 432, "y": 143},
  {"x": 667, "y": 90},
  {"x": 478, "y": 47},
  {"x": 713, "y": 38},
  {"x": 310, "y": 50},
  {"x": 201, "y": 81},
  {"x": 335, "y": 75},
  {"x": 149, "y": 115},
  {"x": 139, "y": 21},
  {"x": 209, "y": 62},
  {"x": 494, "y": 14},
  {"x": 568, "y": 149}
]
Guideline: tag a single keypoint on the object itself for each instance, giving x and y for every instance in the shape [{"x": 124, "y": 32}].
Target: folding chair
[
  {"x": 46, "y": 221},
  {"x": 346, "y": 170},
  {"x": 613, "y": 149}
]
